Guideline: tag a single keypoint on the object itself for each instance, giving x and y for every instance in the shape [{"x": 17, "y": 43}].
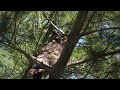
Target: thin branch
[
  {"x": 57, "y": 27},
  {"x": 88, "y": 71},
  {"x": 97, "y": 56},
  {"x": 53, "y": 23},
  {"x": 102, "y": 29},
  {"x": 111, "y": 53},
  {"x": 78, "y": 62},
  {"x": 31, "y": 58},
  {"x": 108, "y": 44}
]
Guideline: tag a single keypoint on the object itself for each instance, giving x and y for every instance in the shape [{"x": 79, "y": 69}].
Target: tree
[
  {"x": 72, "y": 40},
  {"x": 92, "y": 43}
]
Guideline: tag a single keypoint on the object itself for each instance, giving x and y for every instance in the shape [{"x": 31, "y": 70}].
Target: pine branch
[
  {"x": 102, "y": 29},
  {"x": 97, "y": 56},
  {"x": 31, "y": 58}
]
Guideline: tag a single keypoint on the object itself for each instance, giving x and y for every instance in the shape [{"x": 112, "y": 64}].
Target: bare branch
[{"x": 53, "y": 24}]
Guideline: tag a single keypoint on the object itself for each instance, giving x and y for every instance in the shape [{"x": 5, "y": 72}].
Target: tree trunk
[{"x": 72, "y": 40}]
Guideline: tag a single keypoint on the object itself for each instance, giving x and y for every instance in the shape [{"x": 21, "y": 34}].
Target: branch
[
  {"x": 97, "y": 56},
  {"x": 78, "y": 62},
  {"x": 20, "y": 50},
  {"x": 42, "y": 65},
  {"x": 31, "y": 58},
  {"x": 53, "y": 24},
  {"x": 88, "y": 71},
  {"x": 102, "y": 29},
  {"x": 111, "y": 53}
]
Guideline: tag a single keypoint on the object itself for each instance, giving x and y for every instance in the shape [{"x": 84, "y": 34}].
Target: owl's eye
[{"x": 64, "y": 38}]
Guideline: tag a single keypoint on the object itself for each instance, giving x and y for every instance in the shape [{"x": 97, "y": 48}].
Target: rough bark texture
[{"x": 72, "y": 40}]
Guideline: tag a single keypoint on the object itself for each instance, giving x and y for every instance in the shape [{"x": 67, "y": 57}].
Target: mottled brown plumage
[{"x": 50, "y": 53}]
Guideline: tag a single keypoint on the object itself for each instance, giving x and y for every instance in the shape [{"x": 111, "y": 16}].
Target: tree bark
[{"x": 73, "y": 37}]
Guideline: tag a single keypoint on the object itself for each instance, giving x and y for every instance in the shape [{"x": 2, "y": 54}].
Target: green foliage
[
  {"x": 5, "y": 57},
  {"x": 26, "y": 29},
  {"x": 11, "y": 64},
  {"x": 78, "y": 54},
  {"x": 99, "y": 43}
]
